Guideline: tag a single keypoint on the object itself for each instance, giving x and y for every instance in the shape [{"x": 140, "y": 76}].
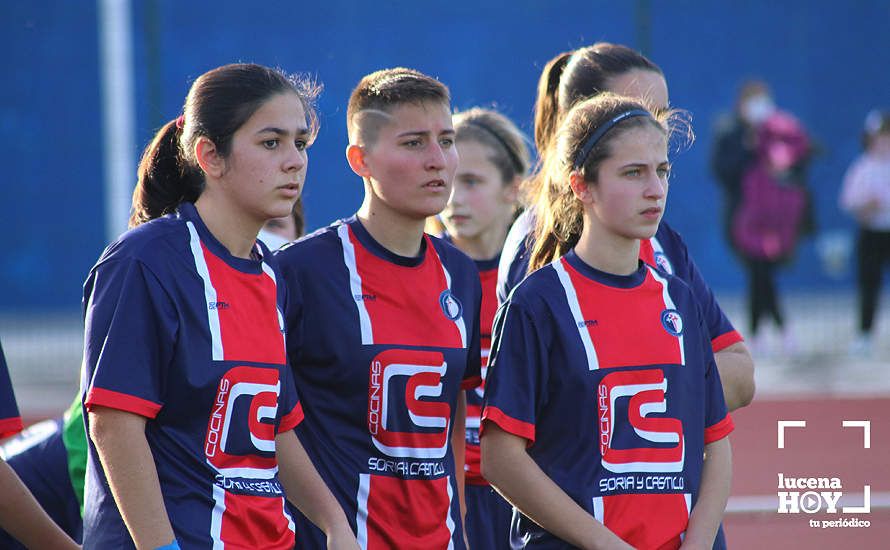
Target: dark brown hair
[
  {"x": 219, "y": 102},
  {"x": 381, "y": 91}
]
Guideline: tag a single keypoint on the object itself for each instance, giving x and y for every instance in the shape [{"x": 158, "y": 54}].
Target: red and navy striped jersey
[
  {"x": 488, "y": 276},
  {"x": 10, "y": 419},
  {"x": 380, "y": 346},
  {"x": 612, "y": 381},
  {"x": 192, "y": 338},
  {"x": 666, "y": 251}
]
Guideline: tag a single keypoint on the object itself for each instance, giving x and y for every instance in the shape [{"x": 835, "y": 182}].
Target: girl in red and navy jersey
[
  {"x": 602, "y": 396},
  {"x": 571, "y": 77},
  {"x": 383, "y": 325},
  {"x": 190, "y": 405},
  {"x": 493, "y": 161}
]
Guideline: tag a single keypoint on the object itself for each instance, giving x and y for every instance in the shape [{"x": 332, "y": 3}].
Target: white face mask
[
  {"x": 758, "y": 108},
  {"x": 271, "y": 240}
]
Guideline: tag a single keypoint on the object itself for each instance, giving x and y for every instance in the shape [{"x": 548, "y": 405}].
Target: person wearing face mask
[
  {"x": 866, "y": 196},
  {"x": 760, "y": 157}
]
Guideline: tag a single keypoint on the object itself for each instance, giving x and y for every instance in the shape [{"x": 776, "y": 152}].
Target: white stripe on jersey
[
  {"x": 575, "y": 308},
  {"x": 598, "y": 512},
  {"x": 656, "y": 246},
  {"x": 216, "y": 515},
  {"x": 449, "y": 521},
  {"x": 461, "y": 326},
  {"x": 209, "y": 292},
  {"x": 688, "y": 498},
  {"x": 267, "y": 269},
  {"x": 290, "y": 520},
  {"x": 355, "y": 284},
  {"x": 361, "y": 513},
  {"x": 669, "y": 304}
]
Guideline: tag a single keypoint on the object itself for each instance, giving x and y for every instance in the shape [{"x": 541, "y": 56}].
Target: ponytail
[
  {"x": 163, "y": 179},
  {"x": 559, "y": 217}
]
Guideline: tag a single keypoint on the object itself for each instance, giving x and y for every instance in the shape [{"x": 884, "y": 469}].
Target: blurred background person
[
  {"x": 866, "y": 196},
  {"x": 761, "y": 158}
]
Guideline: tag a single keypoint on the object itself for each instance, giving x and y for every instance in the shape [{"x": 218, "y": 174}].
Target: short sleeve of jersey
[
  {"x": 130, "y": 328},
  {"x": 514, "y": 256},
  {"x": 289, "y": 402},
  {"x": 720, "y": 330},
  {"x": 718, "y": 422},
  {"x": 10, "y": 419},
  {"x": 517, "y": 373}
]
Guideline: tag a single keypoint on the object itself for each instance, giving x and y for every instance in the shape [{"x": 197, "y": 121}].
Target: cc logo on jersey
[
  {"x": 649, "y": 444},
  {"x": 240, "y": 440},
  {"x": 408, "y": 415}
]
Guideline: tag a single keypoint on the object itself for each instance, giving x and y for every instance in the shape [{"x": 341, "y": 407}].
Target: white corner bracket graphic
[
  {"x": 866, "y": 503},
  {"x": 782, "y": 424},
  {"x": 866, "y": 430}
]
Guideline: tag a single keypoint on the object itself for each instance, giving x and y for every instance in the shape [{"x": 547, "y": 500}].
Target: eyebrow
[
  {"x": 421, "y": 133},
  {"x": 281, "y": 132}
]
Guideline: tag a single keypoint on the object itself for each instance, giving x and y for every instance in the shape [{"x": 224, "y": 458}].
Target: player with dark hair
[
  {"x": 383, "y": 325},
  {"x": 597, "y": 441},
  {"x": 190, "y": 406}
]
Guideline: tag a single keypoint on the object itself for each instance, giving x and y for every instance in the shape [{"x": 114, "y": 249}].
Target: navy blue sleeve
[
  {"x": 518, "y": 371},
  {"x": 10, "y": 419},
  {"x": 130, "y": 333}
]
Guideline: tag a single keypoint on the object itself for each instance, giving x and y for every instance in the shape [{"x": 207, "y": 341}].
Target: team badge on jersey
[
  {"x": 450, "y": 306},
  {"x": 672, "y": 321},
  {"x": 662, "y": 262}
]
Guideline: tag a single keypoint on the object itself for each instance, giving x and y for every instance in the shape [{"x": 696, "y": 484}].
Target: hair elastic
[
  {"x": 180, "y": 121},
  {"x": 514, "y": 158},
  {"x": 601, "y": 131}
]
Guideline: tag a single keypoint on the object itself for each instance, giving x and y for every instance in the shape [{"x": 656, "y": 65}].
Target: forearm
[
  {"x": 306, "y": 489},
  {"x": 126, "y": 457},
  {"x": 736, "y": 369},
  {"x": 514, "y": 474},
  {"x": 712, "y": 496},
  {"x": 23, "y": 518}
]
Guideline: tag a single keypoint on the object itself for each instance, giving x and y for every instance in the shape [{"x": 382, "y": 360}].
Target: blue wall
[{"x": 825, "y": 60}]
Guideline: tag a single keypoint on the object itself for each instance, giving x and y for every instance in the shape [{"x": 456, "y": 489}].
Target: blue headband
[{"x": 601, "y": 131}]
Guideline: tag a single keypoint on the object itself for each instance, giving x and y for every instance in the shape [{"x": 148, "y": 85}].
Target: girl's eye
[
  {"x": 632, "y": 173},
  {"x": 302, "y": 145},
  {"x": 447, "y": 142},
  {"x": 664, "y": 172},
  {"x": 270, "y": 143},
  {"x": 413, "y": 143}
]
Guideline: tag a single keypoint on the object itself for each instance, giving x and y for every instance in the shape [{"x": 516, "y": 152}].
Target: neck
[
  {"x": 397, "y": 233},
  {"x": 607, "y": 251},
  {"x": 485, "y": 245},
  {"x": 231, "y": 226}
]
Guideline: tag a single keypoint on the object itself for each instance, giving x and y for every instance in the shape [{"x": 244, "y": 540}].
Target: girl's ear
[
  {"x": 209, "y": 159},
  {"x": 356, "y": 157},
  {"x": 581, "y": 188}
]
